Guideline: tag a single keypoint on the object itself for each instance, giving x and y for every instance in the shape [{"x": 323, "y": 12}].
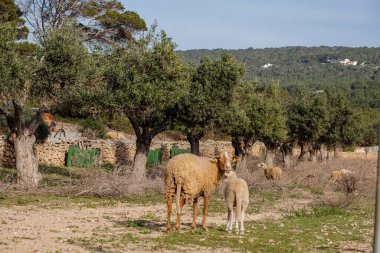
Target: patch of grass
[
  {"x": 8, "y": 175},
  {"x": 324, "y": 228},
  {"x": 146, "y": 200}
]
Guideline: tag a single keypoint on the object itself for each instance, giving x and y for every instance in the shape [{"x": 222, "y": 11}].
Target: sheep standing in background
[
  {"x": 236, "y": 194},
  {"x": 338, "y": 175},
  {"x": 191, "y": 177},
  {"x": 274, "y": 173}
]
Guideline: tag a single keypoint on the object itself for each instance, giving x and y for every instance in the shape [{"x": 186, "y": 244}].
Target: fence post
[{"x": 376, "y": 237}]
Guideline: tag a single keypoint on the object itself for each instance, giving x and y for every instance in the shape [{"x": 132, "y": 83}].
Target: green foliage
[
  {"x": 307, "y": 116},
  {"x": 310, "y": 66},
  {"x": 145, "y": 80},
  {"x": 210, "y": 94},
  {"x": 257, "y": 114},
  {"x": 93, "y": 128},
  {"x": 11, "y": 14},
  {"x": 14, "y": 72},
  {"x": 67, "y": 71},
  {"x": 123, "y": 25},
  {"x": 102, "y": 21}
]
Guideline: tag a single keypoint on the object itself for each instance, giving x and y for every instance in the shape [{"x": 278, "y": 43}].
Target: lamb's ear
[{"x": 235, "y": 159}]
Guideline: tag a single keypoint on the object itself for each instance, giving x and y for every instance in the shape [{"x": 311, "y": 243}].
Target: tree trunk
[
  {"x": 321, "y": 151},
  {"x": 329, "y": 154},
  {"x": 313, "y": 155},
  {"x": 336, "y": 152},
  {"x": 242, "y": 146},
  {"x": 26, "y": 162},
  {"x": 303, "y": 152},
  {"x": 271, "y": 152},
  {"x": 194, "y": 142},
  {"x": 142, "y": 150},
  {"x": 269, "y": 157},
  {"x": 287, "y": 153}
]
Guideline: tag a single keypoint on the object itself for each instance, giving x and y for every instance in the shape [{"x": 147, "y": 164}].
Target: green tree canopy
[
  {"x": 145, "y": 81},
  {"x": 210, "y": 96},
  {"x": 103, "y": 21}
]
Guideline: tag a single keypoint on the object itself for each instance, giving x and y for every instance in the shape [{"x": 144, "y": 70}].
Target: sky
[{"x": 240, "y": 24}]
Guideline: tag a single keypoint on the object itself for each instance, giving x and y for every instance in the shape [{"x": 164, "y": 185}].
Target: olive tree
[
  {"x": 257, "y": 115},
  {"x": 210, "y": 96},
  {"x": 307, "y": 121},
  {"x": 16, "y": 88},
  {"x": 146, "y": 80}
]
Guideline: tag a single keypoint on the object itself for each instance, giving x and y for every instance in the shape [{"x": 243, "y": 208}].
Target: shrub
[{"x": 93, "y": 128}]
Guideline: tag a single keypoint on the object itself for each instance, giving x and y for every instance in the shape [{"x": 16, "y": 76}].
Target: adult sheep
[
  {"x": 191, "y": 177},
  {"x": 338, "y": 175},
  {"x": 273, "y": 173}
]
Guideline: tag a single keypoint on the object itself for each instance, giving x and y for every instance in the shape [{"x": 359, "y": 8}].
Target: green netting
[
  {"x": 154, "y": 157},
  {"x": 77, "y": 157},
  {"x": 176, "y": 151}
]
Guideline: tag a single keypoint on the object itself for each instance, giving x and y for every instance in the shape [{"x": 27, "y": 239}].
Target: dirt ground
[{"x": 36, "y": 229}]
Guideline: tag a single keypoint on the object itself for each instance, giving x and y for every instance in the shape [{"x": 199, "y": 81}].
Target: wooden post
[{"x": 376, "y": 238}]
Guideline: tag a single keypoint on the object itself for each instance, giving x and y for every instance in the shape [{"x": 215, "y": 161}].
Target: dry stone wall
[{"x": 122, "y": 152}]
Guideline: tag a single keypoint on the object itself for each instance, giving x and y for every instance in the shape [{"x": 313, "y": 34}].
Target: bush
[
  {"x": 348, "y": 149},
  {"x": 93, "y": 128}
]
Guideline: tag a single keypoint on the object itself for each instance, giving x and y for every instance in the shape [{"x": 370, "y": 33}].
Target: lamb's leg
[
  {"x": 195, "y": 213},
  {"x": 238, "y": 213},
  {"x": 205, "y": 206},
  {"x": 179, "y": 212},
  {"x": 229, "y": 219},
  {"x": 242, "y": 221},
  {"x": 169, "y": 206}
]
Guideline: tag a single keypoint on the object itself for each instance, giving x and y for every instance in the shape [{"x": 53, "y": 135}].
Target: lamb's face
[{"x": 227, "y": 175}]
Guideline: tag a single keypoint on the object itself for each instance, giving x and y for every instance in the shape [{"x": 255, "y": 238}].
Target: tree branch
[{"x": 135, "y": 127}]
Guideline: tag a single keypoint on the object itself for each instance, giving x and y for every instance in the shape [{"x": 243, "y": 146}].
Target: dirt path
[{"x": 39, "y": 229}]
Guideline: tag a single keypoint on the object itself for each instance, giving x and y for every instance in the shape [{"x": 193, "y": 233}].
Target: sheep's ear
[
  {"x": 216, "y": 159},
  {"x": 235, "y": 159}
]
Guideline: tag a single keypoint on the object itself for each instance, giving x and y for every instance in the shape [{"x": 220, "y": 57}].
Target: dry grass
[
  {"x": 121, "y": 182},
  {"x": 312, "y": 181}
]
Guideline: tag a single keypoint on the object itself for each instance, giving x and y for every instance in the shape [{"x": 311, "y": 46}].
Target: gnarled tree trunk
[
  {"x": 242, "y": 146},
  {"x": 271, "y": 152},
  {"x": 142, "y": 149},
  {"x": 304, "y": 149},
  {"x": 287, "y": 153},
  {"x": 144, "y": 137},
  {"x": 194, "y": 142},
  {"x": 26, "y": 162}
]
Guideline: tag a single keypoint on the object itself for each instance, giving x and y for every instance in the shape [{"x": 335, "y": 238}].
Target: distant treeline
[{"x": 314, "y": 67}]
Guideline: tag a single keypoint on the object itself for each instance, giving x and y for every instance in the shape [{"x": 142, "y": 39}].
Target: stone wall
[{"x": 122, "y": 152}]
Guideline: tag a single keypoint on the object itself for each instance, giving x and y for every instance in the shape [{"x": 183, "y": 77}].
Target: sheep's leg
[
  {"x": 229, "y": 219},
  {"x": 232, "y": 219},
  {"x": 195, "y": 213},
  {"x": 169, "y": 205},
  {"x": 238, "y": 213},
  {"x": 205, "y": 206},
  {"x": 179, "y": 212},
  {"x": 242, "y": 222}
]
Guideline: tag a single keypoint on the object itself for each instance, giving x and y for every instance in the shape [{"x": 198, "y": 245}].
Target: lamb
[
  {"x": 191, "y": 177},
  {"x": 338, "y": 175},
  {"x": 236, "y": 194},
  {"x": 274, "y": 173}
]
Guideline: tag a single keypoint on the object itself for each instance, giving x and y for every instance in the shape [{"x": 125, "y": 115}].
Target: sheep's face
[
  {"x": 261, "y": 165},
  {"x": 225, "y": 161},
  {"x": 227, "y": 175}
]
